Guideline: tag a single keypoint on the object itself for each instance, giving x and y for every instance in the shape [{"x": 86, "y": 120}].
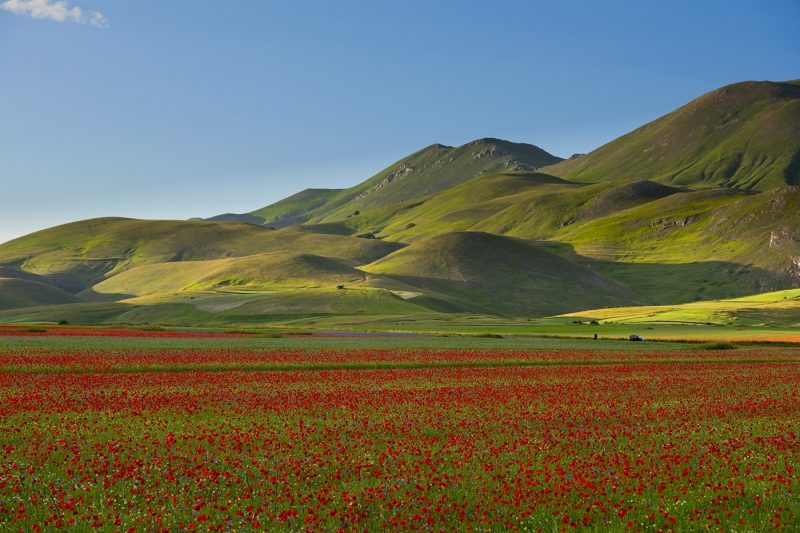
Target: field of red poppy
[{"x": 229, "y": 439}]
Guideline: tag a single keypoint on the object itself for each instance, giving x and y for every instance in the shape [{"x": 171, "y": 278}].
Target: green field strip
[{"x": 378, "y": 365}]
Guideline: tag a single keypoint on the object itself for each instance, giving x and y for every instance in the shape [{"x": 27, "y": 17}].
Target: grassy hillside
[
  {"x": 251, "y": 273},
  {"x": 665, "y": 244},
  {"x": 620, "y": 243},
  {"x": 86, "y": 252},
  {"x": 15, "y": 292},
  {"x": 620, "y": 198},
  {"x": 499, "y": 274},
  {"x": 739, "y": 243},
  {"x": 744, "y": 135},
  {"x": 471, "y": 206},
  {"x": 437, "y": 168},
  {"x": 529, "y": 205}
]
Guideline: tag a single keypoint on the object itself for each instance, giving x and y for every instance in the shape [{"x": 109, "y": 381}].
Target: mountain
[
  {"x": 660, "y": 216},
  {"x": 429, "y": 170},
  {"x": 745, "y": 135}
]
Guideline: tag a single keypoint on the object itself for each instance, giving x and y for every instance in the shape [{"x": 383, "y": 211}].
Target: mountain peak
[
  {"x": 743, "y": 135},
  {"x": 494, "y": 141},
  {"x": 742, "y": 94},
  {"x": 437, "y": 146},
  {"x": 488, "y": 140},
  {"x": 424, "y": 172}
]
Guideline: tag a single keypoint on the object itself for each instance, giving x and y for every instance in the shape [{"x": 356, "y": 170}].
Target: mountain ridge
[
  {"x": 428, "y": 170},
  {"x": 700, "y": 204}
]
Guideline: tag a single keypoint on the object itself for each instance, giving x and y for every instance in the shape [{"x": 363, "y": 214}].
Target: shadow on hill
[
  {"x": 73, "y": 313},
  {"x": 665, "y": 284},
  {"x": 676, "y": 283},
  {"x": 91, "y": 295},
  {"x": 615, "y": 284},
  {"x": 66, "y": 282}
]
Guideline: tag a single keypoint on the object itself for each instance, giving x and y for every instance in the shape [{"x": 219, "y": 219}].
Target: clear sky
[{"x": 175, "y": 109}]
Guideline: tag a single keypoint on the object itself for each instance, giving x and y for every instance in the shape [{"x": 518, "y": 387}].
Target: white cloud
[
  {"x": 57, "y": 10},
  {"x": 98, "y": 20}
]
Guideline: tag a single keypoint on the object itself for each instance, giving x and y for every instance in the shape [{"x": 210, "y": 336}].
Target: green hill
[
  {"x": 87, "y": 252},
  {"x": 752, "y": 238},
  {"x": 251, "y": 273},
  {"x": 473, "y": 205},
  {"x": 520, "y": 204},
  {"x": 663, "y": 244},
  {"x": 499, "y": 274},
  {"x": 429, "y": 170},
  {"x": 621, "y": 198},
  {"x": 745, "y": 135}
]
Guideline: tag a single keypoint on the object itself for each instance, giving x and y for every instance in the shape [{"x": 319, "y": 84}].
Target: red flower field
[{"x": 428, "y": 440}]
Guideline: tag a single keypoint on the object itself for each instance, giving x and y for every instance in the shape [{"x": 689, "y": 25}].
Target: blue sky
[{"x": 175, "y": 109}]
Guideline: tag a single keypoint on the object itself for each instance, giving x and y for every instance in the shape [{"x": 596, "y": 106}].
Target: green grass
[
  {"x": 382, "y": 365},
  {"x": 266, "y": 340}
]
